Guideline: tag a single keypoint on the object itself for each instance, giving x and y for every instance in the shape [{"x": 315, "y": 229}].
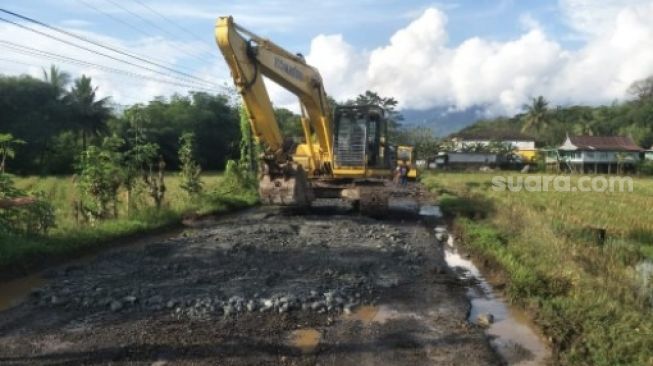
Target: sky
[{"x": 455, "y": 54}]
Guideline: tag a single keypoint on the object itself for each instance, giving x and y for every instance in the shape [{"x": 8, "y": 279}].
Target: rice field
[
  {"x": 624, "y": 215},
  {"x": 591, "y": 297}
]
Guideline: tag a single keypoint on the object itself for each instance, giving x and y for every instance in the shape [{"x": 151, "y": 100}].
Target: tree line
[
  {"x": 549, "y": 125},
  {"x": 57, "y": 118}
]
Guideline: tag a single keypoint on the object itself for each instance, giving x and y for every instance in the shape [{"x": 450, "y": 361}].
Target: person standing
[{"x": 403, "y": 173}]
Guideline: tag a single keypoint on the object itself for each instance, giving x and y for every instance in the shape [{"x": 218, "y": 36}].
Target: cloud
[
  {"x": 592, "y": 17},
  {"x": 421, "y": 70}
]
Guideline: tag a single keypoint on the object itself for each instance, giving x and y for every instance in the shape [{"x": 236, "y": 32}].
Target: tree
[
  {"x": 388, "y": 103},
  {"x": 210, "y": 117},
  {"x": 7, "y": 148},
  {"x": 91, "y": 114},
  {"x": 138, "y": 157},
  {"x": 642, "y": 89},
  {"x": 422, "y": 139},
  {"x": 190, "y": 171},
  {"x": 536, "y": 117},
  {"x": 290, "y": 124},
  {"x": 100, "y": 174},
  {"x": 57, "y": 79}
]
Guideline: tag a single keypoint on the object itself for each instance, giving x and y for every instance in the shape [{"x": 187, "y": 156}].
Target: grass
[
  {"x": 587, "y": 297},
  {"x": 70, "y": 238}
]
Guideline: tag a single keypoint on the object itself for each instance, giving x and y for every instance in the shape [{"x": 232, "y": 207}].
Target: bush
[
  {"x": 35, "y": 218},
  {"x": 190, "y": 170},
  {"x": 100, "y": 174},
  {"x": 646, "y": 167}
]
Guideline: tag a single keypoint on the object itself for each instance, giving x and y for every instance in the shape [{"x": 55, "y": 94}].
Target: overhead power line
[
  {"x": 177, "y": 25},
  {"x": 129, "y": 25},
  {"x": 95, "y": 43},
  {"x": 116, "y": 19},
  {"x": 29, "y": 51},
  {"x": 154, "y": 25},
  {"x": 104, "y": 54}
]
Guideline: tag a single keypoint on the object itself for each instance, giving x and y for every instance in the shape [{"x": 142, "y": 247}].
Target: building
[
  {"x": 648, "y": 154},
  {"x": 467, "y": 160},
  {"x": 595, "y": 154},
  {"x": 524, "y": 145}
]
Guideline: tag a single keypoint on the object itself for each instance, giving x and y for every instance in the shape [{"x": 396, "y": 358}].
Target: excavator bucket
[{"x": 293, "y": 190}]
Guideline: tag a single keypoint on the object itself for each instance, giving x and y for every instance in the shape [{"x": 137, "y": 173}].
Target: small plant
[
  {"x": 153, "y": 177},
  {"x": 136, "y": 163},
  {"x": 190, "y": 170},
  {"x": 100, "y": 175}
]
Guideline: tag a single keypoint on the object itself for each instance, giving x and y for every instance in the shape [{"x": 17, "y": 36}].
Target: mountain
[{"x": 442, "y": 120}]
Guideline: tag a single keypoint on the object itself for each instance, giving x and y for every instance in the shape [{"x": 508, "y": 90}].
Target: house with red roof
[{"x": 595, "y": 154}]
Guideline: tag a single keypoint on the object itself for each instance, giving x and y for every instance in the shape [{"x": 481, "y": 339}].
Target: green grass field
[
  {"x": 589, "y": 298},
  {"x": 70, "y": 237}
]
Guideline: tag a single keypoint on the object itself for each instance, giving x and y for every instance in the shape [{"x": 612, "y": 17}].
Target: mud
[
  {"x": 511, "y": 332},
  {"x": 262, "y": 287}
]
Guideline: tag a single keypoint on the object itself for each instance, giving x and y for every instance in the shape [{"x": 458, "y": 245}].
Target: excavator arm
[{"x": 251, "y": 57}]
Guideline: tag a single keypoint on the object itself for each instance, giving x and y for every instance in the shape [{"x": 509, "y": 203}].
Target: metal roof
[{"x": 612, "y": 143}]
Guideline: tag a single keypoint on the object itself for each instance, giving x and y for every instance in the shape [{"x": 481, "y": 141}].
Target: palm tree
[
  {"x": 90, "y": 114},
  {"x": 7, "y": 148},
  {"x": 57, "y": 79},
  {"x": 536, "y": 114}
]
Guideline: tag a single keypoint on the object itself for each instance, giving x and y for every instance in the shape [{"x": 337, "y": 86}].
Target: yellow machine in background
[
  {"x": 345, "y": 149},
  {"x": 405, "y": 156}
]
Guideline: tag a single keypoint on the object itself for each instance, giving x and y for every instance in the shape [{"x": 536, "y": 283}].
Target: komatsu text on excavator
[{"x": 345, "y": 153}]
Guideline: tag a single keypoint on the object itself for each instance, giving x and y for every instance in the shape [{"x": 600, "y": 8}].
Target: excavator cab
[{"x": 360, "y": 140}]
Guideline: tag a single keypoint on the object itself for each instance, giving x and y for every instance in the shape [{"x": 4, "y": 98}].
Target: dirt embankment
[{"x": 260, "y": 287}]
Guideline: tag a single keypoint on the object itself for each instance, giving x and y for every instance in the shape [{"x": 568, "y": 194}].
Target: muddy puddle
[
  {"x": 306, "y": 339},
  {"x": 15, "y": 291},
  {"x": 373, "y": 314},
  {"x": 511, "y": 333}
]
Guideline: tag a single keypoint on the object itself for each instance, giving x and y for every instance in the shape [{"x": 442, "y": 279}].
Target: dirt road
[{"x": 260, "y": 287}]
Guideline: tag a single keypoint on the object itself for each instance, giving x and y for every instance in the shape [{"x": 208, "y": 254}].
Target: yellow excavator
[
  {"x": 406, "y": 156},
  {"x": 345, "y": 153}
]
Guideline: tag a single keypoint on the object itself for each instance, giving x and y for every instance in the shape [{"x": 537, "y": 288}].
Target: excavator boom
[
  {"x": 254, "y": 57},
  {"x": 341, "y": 148}
]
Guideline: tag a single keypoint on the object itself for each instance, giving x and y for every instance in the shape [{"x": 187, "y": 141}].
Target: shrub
[
  {"x": 34, "y": 218},
  {"x": 190, "y": 169},
  {"x": 100, "y": 174}
]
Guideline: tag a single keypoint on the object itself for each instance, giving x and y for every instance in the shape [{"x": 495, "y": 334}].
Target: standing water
[
  {"x": 511, "y": 334},
  {"x": 15, "y": 291}
]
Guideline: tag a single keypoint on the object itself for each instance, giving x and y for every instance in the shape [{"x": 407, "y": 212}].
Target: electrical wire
[
  {"x": 98, "y": 44},
  {"x": 156, "y": 26},
  {"x": 178, "y": 26},
  {"x": 206, "y": 85},
  {"x": 29, "y": 51},
  {"x": 114, "y": 18}
]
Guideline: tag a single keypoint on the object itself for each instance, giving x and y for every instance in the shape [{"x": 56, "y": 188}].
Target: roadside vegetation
[
  {"x": 70, "y": 236},
  {"x": 593, "y": 300},
  {"x": 88, "y": 173}
]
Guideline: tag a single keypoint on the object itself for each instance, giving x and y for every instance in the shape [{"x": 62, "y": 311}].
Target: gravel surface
[{"x": 260, "y": 287}]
